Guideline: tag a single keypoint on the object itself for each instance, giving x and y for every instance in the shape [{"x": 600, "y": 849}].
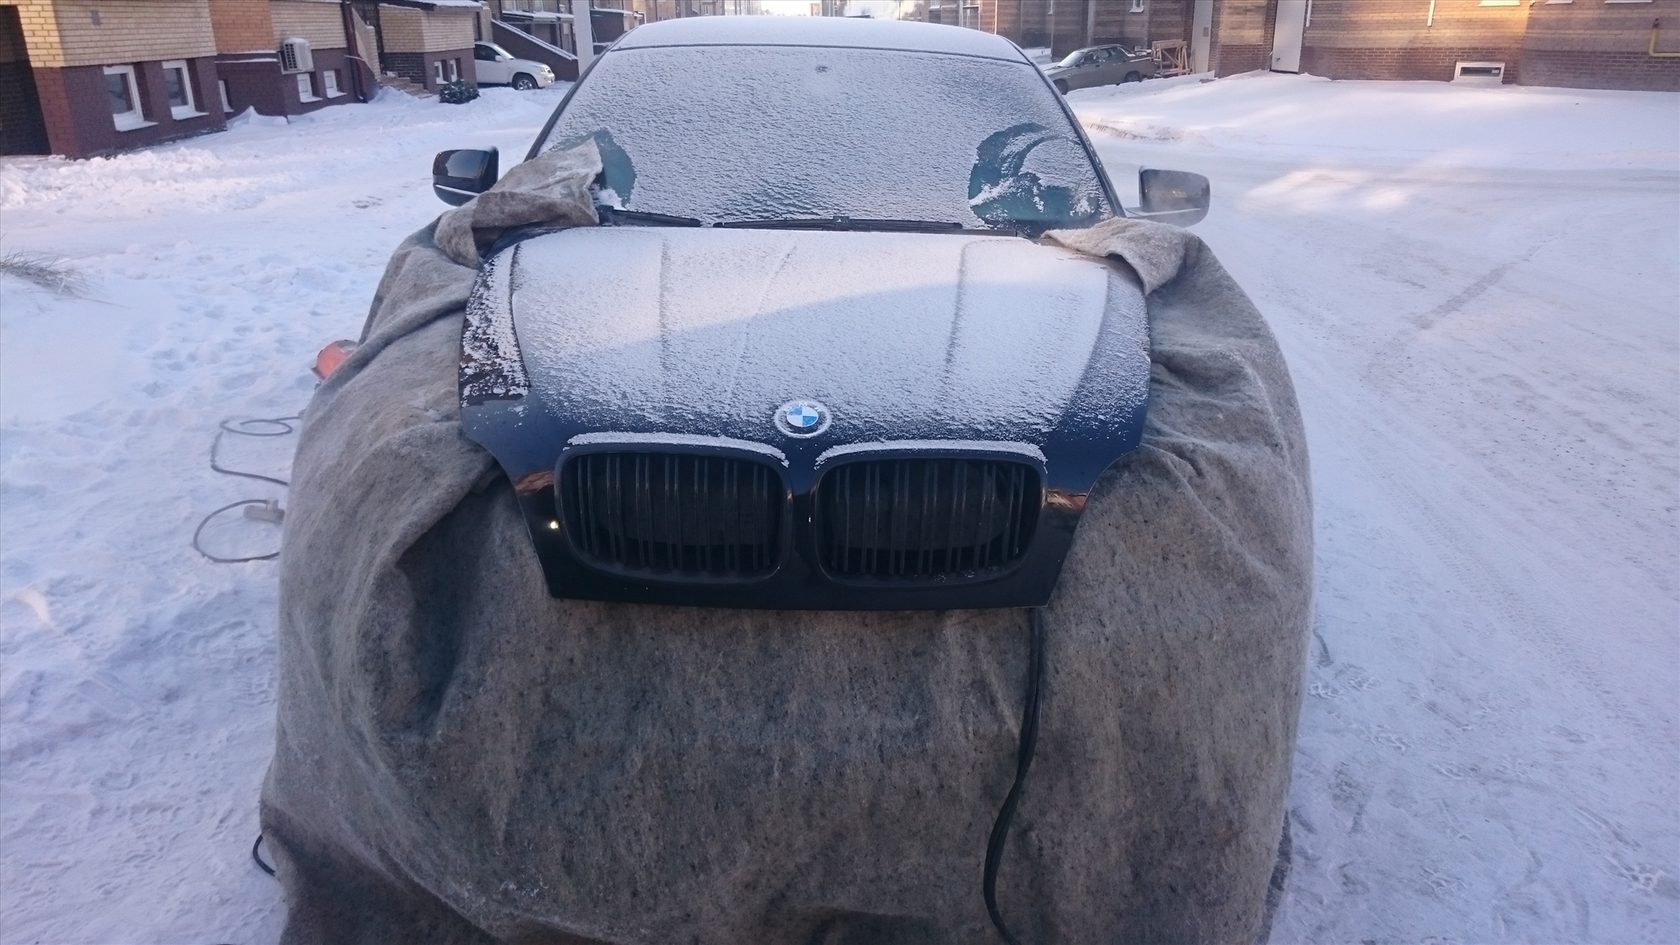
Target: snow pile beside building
[{"x": 1418, "y": 124}]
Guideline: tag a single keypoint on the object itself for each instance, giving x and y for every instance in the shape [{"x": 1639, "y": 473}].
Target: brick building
[
  {"x": 105, "y": 75},
  {"x": 286, "y": 57},
  {"x": 1623, "y": 44},
  {"x": 426, "y": 42},
  {"x": 89, "y": 77}
]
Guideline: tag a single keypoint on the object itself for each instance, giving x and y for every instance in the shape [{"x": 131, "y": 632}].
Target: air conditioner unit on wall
[{"x": 295, "y": 56}]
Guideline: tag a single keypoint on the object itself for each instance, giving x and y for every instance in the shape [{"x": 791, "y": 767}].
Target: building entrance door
[
  {"x": 1287, "y": 39},
  {"x": 1201, "y": 37}
]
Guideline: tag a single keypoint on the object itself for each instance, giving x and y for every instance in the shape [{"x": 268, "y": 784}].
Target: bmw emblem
[{"x": 802, "y": 418}]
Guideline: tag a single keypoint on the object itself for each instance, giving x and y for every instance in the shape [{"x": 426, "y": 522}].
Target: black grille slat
[
  {"x": 925, "y": 519},
  {"x": 676, "y": 515}
]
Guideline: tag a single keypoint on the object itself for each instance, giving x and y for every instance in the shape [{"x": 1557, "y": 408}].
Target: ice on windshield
[{"x": 754, "y": 133}]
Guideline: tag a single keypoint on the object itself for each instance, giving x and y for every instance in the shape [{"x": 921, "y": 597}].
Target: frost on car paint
[{"x": 894, "y": 332}]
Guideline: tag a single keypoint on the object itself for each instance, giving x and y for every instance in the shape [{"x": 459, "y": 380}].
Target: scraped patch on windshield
[{"x": 1023, "y": 173}]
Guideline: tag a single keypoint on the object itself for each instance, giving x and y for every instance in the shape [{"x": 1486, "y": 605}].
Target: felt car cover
[{"x": 462, "y": 758}]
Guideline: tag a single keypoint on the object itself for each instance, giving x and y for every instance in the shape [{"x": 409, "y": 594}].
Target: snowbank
[{"x": 1429, "y": 124}]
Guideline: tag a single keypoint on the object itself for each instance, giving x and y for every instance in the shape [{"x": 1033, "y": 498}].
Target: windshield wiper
[
  {"x": 610, "y": 216},
  {"x": 844, "y": 223}
]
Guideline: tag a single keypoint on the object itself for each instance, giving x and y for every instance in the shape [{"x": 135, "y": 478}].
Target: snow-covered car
[
  {"x": 722, "y": 391},
  {"x": 496, "y": 66},
  {"x": 1101, "y": 65}
]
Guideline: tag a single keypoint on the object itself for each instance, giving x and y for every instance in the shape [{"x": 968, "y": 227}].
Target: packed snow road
[{"x": 1478, "y": 291}]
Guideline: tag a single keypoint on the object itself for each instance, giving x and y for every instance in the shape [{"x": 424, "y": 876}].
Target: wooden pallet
[{"x": 1172, "y": 57}]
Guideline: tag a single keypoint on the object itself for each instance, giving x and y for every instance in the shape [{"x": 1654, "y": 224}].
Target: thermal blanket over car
[{"x": 462, "y": 757}]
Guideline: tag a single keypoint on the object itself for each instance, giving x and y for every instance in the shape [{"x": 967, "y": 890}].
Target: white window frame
[
  {"x": 1137, "y": 7},
  {"x": 136, "y": 116},
  {"x": 306, "y": 87},
  {"x": 329, "y": 84},
  {"x": 454, "y": 70},
  {"x": 189, "y": 110},
  {"x": 227, "y": 103},
  {"x": 437, "y": 72}
]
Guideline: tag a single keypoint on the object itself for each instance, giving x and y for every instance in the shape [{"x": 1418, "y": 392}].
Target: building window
[
  {"x": 329, "y": 83},
  {"x": 454, "y": 70},
  {"x": 177, "y": 82},
  {"x": 306, "y": 87},
  {"x": 1137, "y": 6},
  {"x": 124, "y": 94},
  {"x": 437, "y": 72},
  {"x": 227, "y": 103}
]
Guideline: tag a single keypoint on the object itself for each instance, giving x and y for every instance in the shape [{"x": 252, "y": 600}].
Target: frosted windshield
[{"x": 734, "y": 134}]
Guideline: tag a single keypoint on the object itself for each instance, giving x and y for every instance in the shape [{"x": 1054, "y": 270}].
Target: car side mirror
[
  {"x": 459, "y": 176},
  {"x": 1177, "y": 197}
]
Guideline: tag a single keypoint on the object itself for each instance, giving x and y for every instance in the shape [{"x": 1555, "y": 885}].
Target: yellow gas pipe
[{"x": 1652, "y": 49}]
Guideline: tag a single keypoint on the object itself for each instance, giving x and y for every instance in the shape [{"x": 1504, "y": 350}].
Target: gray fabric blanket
[{"x": 463, "y": 759}]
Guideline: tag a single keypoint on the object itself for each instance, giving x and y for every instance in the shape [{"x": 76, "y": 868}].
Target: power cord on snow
[
  {"x": 1023, "y": 764},
  {"x": 261, "y": 510},
  {"x": 258, "y": 856}
]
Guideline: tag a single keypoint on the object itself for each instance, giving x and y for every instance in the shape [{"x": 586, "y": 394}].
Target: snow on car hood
[{"x": 709, "y": 332}]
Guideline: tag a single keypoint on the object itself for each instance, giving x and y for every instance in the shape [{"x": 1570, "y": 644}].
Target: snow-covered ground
[{"x": 1479, "y": 293}]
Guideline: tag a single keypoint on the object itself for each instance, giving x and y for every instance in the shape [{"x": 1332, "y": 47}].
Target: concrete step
[{"x": 406, "y": 86}]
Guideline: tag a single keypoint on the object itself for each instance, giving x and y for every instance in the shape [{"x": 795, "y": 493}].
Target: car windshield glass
[
  {"x": 771, "y": 133},
  {"x": 497, "y": 49},
  {"x": 1075, "y": 57}
]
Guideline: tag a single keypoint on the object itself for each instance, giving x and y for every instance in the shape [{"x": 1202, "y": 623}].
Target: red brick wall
[
  {"x": 1398, "y": 39},
  {"x": 1600, "y": 70},
  {"x": 1416, "y": 62},
  {"x": 78, "y": 116},
  {"x": 1602, "y": 45},
  {"x": 255, "y": 82},
  {"x": 1242, "y": 35}
]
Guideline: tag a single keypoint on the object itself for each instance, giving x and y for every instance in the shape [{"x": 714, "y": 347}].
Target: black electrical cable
[
  {"x": 220, "y": 559},
  {"x": 279, "y": 426},
  {"x": 235, "y": 427},
  {"x": 1023, "y": 764},
  {"x": 258, "y": 857}
]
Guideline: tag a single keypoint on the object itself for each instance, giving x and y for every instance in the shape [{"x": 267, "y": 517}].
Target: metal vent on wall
[
  {"x": 925, "y": 519},
  {"x": 1479, "y": 72},
  {"x": 674, "y": 514}
]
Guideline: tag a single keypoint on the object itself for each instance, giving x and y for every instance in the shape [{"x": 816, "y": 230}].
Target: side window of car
[{"x": 484, "y": 54}]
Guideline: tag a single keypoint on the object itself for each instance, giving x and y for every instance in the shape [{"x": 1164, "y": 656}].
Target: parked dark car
[
  {"x": 1101, "y": 65},
  {"x": 816, "y": 356}
]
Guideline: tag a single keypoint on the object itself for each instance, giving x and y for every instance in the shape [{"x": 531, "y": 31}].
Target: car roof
[{"x": 829, "y": 31}]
